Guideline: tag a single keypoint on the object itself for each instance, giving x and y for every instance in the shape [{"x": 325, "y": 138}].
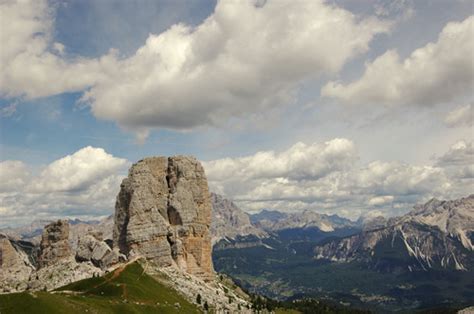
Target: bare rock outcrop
[
  {"x": 8, "y": 254},
  {"x": 62, "y": 272},
  {"x": 15, "y": 266},
  {"x": 163, "y": 212},
  {"x": 22, "y": 268},
  {"x": 229, "y": 221},
  {"x": 91, "y": 248},
  {"x": 54, "y": 244},
  {"x": 435, "y": 235}
]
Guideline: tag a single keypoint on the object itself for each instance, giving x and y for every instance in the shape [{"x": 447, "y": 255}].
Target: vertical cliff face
[
  {"x": 163, "y": 212},
  {"x": 54, "y": 244}
]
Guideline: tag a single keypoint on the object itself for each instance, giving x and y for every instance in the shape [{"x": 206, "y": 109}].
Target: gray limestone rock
[
  {"x": 163, "y": 212},
  {"x": 15, "y": 266},
  {"x": 54, "y": 244},
  {"x": 435, "y": 235},
  {"x": 229, "y": 221},
  {"x": 89, "y": 248}
]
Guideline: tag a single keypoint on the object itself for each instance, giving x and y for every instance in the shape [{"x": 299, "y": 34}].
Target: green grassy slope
[{"x": 127, "y": 290}]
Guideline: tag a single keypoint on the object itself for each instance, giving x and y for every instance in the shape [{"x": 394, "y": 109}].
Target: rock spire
[{"x": 163, "y": 212}]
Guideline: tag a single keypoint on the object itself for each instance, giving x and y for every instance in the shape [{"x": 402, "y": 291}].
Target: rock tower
[
  {"x": 54, "y": 244},
  {"x": 163, "y": 212}
]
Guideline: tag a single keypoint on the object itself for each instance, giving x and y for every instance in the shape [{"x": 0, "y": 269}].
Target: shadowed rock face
[
  {"x": 163, "y": 212},
  {"x": 54, "y": 244}
]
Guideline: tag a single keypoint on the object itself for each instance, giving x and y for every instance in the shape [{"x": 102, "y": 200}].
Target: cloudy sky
[{"x": 338, "y": 106}]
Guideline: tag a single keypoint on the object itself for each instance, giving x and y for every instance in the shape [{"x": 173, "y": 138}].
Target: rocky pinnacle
[
  {"x": 163, "y": 212},
  {"x": 54, "y": 244}
]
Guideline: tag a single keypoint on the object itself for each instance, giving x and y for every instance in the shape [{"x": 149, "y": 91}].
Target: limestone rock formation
[
  {"x": 62, "y": 272},
  {"x": 8, "y": 254},
  {"x": 163, "y": 212},
  {"x": 229, "y": 221},
  {"x": 368, "y": 223},
  {"x": 272, "y": 221},
  {"x": 435, "y": 235},
  {"x": 22, "y": 268},
  {"x": 15, "y": 266},
  {"x": 91, "y": 248},
  {"x": 54, "y": 244},
  {"x": 30, "y": 232},
  {"x": 77, "y": 228}
]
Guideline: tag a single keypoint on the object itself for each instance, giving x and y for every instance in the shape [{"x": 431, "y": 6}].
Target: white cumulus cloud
[
  {"x": 31, "y": 64},
  {"x": 379, "y": 200},
  {"x": 436, "y": 73},
  {"x": 77, "y": 171},
  {"x": 83, "y": 183},
  {"x": 243, "y": 59},
  {"x": 327, "y": 177},
  {"x": 459, "y": 161},
  {"x": 301, "y": 161},
  {"x": 14, "y": 175}
]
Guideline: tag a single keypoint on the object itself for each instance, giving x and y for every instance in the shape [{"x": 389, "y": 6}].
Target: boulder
[{"x": 89, "y": 248}]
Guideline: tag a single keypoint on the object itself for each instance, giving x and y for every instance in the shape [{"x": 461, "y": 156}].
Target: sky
[{"x": 358, "y": 108}]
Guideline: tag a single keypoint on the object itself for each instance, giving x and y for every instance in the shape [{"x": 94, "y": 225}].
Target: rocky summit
[
  {"x": 54, "y": 244},
  {"x": 163, "y": 212},
  {"x": 229, "y": 221}
]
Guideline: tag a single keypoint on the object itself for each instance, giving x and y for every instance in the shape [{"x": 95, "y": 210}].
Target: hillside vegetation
[{"x": 126, "y": 290}]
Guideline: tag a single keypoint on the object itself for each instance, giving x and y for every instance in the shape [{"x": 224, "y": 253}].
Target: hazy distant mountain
[
  {"x": 436, "y": 235},
  {"x": 420, "y": 260},
  {"x": 32, "y": 232},
  {"x": 229, "y": 221},
  {"x": 276, "y": 221},
  {"x": 454, "y": 218},
  {"x": 371, "y": 222},
  {"x": 27, "y": 232},
  {"x": 270, "y": 215}
]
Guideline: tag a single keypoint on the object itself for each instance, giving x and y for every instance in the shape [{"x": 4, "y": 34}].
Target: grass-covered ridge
[{"x": 126, "y": 290}]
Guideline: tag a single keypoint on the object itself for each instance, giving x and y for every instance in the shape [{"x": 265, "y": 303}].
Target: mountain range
[
  {"x": 420, "y": 260},
  {"x": 438, "y": 234},
  {"x": 406, "y": 262}
]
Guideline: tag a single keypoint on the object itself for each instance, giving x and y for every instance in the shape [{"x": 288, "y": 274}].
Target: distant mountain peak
[
  {"x": 455, "y": 217},
  {"x": 275, "y": 220},
  {"x": 437, "y": 234},
  {"x": 229, "y": 221}
]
